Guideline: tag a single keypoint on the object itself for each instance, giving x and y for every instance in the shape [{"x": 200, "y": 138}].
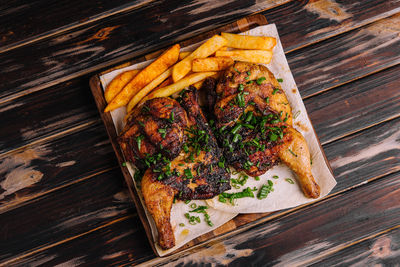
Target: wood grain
[
  {"x": 53, "y": 18},
  {"x": 366, "y": 155},
  {"x": 46, "y": 167},
  {"x": 351, "y": 55},
  {"x": 45, "y": 113},
  {"x": 355, "y": 106},
  {"x": 121, "y": 242},
  {"x": 112, "y": 41},
  {"x": 301, "y": 23},
  {"x": 307, "y": 234},
  {"x": 380, "y": 250},
  {"x": 64, "y": 213}
]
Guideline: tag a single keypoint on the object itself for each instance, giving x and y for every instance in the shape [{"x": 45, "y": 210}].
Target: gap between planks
[
  {"x": 52, "y": 136},
  {"x": 28, "y": 200},
  {"x": 6, "y": 263},
  {"x": 48, "y": 34},
  {"x": 129, "y": 56},
  {"x": 225, "y": 235},
  {"x": 352, "y": 80}
]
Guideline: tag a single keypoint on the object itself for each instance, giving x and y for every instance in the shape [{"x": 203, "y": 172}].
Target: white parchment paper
[{"x": 285, "y": 194}]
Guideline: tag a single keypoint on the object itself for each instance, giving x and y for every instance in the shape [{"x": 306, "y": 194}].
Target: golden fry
[
  {"x": 211, "y": 64},
  {"x": 178, "y": 86},
  {"x": 156, "y": 68},
  {"x": 182, "y": 55},
  {"x": 118, "y": 83},
  {"x": 209, "y": 47},
  {"x": 142, "y": 93},
  {"x": 252, "y": 56},
  {"x": 249, "y": 42}
]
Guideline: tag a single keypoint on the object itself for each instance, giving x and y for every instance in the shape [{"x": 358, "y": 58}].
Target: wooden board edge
[{"x": 98, "y": 94}]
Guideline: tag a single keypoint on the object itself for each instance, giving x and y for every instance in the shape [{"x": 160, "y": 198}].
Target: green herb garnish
[
  {"x": 275, "y": 90},
  {"x": 223, "y": 197},
  {"x": 265, "y": 190},
  {"x": 290, "y": 181},
  {"x": 260, "y": 80},
  {"x": 291, "y": 152}
]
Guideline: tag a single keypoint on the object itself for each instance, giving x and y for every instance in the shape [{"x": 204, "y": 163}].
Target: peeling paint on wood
[{"x": 328, "y": 10}]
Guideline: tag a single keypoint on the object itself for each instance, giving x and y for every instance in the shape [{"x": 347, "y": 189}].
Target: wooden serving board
[{"x": 241, "y": 25}]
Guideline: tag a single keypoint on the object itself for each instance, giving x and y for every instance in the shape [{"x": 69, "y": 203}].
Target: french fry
[
  {"x": 118, "y": 83},
  {"x": 252, "y": 56},
  {"x": 211, "y": 64},
  {"x": 142, "y": 93},
  {"x": 198, "y": 84},
  {"x": 156, "y": 68},
  {"x": 182, "y": 55},
  {"x": 178, "y": 86},
  {"x": 249, "y": 42},
  {"x": 209, "y": 47}
]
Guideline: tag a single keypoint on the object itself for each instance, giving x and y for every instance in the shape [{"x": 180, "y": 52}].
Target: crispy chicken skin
[
  {"x": 185, "y": 166},
  {"x": 254, "y": 122}
]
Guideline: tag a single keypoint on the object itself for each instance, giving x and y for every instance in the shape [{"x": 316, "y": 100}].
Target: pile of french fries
[{"x": 173, "y": 70}]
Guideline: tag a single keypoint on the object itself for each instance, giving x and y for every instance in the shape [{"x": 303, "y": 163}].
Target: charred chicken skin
[
  {"x": 254, "y": 125},
  {"x": 172, "y": 143}
]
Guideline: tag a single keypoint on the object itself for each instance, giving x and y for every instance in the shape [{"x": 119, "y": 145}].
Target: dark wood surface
[{"x": 63, "y": 199}]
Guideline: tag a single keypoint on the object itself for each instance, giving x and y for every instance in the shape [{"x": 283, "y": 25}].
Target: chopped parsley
[
  {"x": 224, "y": 197},
  {"x": 260, "y": 80},
  {"x": 139, "y": 141},
  {"x": 291, "y": 152},
  {"x": 290, "y": 181},
  {"x": 265, "y": 190}
]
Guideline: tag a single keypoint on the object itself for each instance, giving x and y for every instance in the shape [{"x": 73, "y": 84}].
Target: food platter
[{"x": 113, "y": 125}]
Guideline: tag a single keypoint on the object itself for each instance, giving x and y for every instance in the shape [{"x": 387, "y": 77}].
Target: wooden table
[{"x": 63, "y": 197}]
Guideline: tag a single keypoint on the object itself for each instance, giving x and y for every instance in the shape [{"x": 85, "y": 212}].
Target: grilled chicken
[
  {"x": 174, "y": 146},
  {"x": 254, "y": 125}
]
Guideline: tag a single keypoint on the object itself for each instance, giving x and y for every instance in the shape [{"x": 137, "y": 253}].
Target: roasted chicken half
[
  {"x": 254, "y": 125},
  {"x": 172, "y": 143}
]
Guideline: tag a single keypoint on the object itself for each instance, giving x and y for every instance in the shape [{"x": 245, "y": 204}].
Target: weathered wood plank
[
  {"x": 118, "y": 243},
  {"x": 366, "y": 155},
  {"x": 305, "y": 235},
  {"x": 354, "y": 106},
  {"x": 301, "y": 23},
  {"x": 43, "y": 168},
  {"x": 361, "y": 157},
  {"x": 47, "y": 112},
  {"x": 112, "y": 41},
  {"x": 52, "y": 18},
  {"x": 344, "y": 58},
  {"x": 381, "y": 250},
  {"x": 64, "y": 213}
]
